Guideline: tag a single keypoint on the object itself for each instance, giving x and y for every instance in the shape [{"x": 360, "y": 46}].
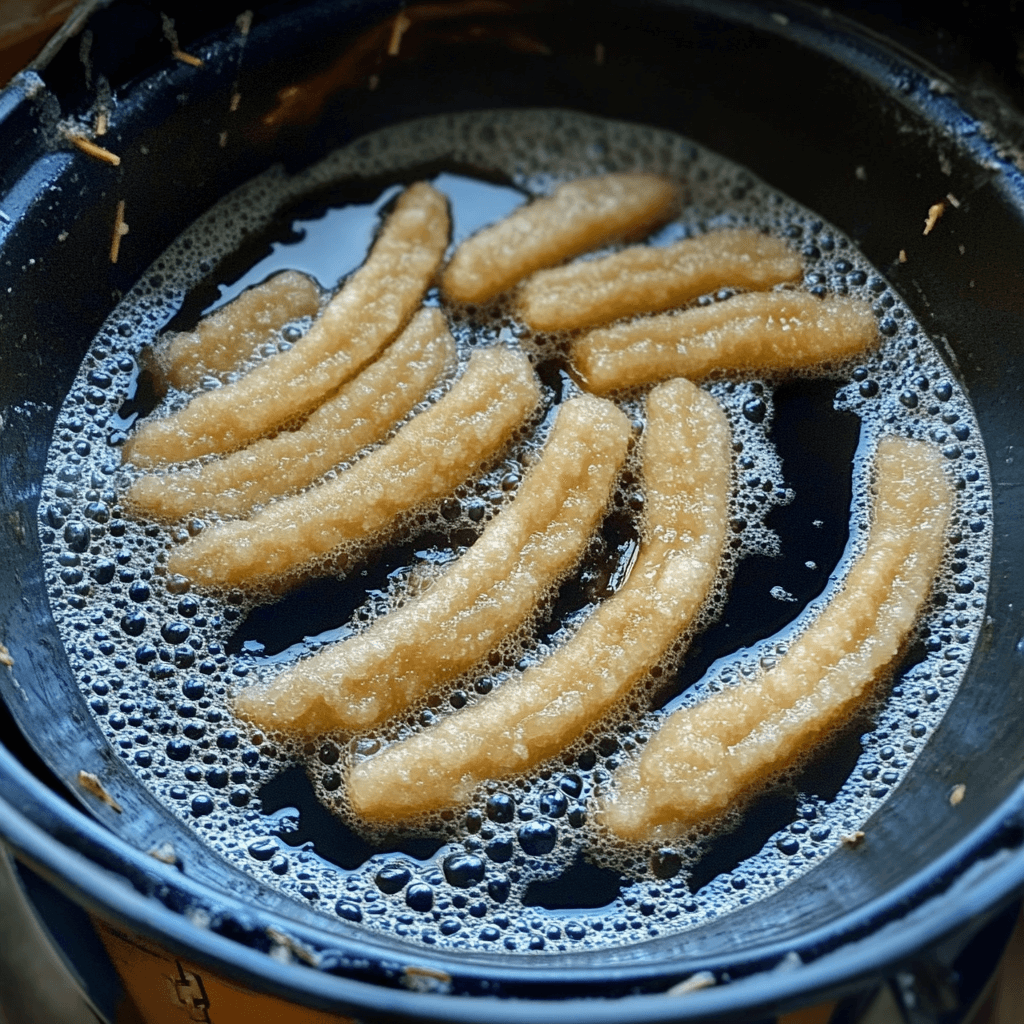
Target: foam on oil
[{"x": 152, "y": 656}]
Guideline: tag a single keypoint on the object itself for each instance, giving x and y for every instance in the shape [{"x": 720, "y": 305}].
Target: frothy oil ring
[{"x": 902, "y": 381}]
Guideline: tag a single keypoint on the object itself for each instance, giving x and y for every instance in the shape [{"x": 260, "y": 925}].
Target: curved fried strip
[
  {"x": 430, "y": 456},
  {"x": 648, "y": 279},
  {"x": 365, "y": 314},
  {"x": 229, "y": 336},
  {"x": 706, "y": 756},
  {"x": 756, "y": 331},
  {"x": 362, "y": 412},
  {"x": 478, "y": 601},
  {"x": 532, "y": 717},
  {"x": 578, "y": 216}
]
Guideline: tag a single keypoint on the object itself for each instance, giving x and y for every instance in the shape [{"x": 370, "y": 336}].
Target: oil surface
[{"x": 520, "y": 868}]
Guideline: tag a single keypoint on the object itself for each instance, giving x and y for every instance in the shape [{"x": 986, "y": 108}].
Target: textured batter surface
[
  {"x": 367, "y": 312},
  {"x": 756, "y": 331},
  {"x": 705, "y": 757},
  {"x": 687, "y": 470},
  {"x": 578, "y": 216},
  {"x": 482, "y": 597},
  {"x": 430, "y": 456},
  {"x": 362, "y": 412},
  {"x": 227, "y": 338},
  {"x": 648, "y": 279}
]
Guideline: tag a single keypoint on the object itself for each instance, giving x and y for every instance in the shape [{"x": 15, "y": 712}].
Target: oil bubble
[{"x": 463, "y": 870}]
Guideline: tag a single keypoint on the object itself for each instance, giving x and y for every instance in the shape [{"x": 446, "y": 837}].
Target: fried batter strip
[
  {"x": 362, "y": 412},
  {"x": 756, "y": 331},
  {"x": 430, "y": 456},
  {"x": 646, "y": 279},
  {"x": 478, "y": 601},
  {"x": 371, "y": 307},
  {"x": 229, "y": 336},
  {"x": 707, "y": 756},
  {"x": 578, "y": 216},
  {"x": 532, "y": 717}
]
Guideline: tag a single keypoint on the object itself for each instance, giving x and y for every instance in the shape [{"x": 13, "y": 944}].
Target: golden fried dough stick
[
  {"x": 648, "y": 279},
  {"x": 362, "y": 412},
  {"x": 687, "y": 470},
  {"x": 756, "y": 331},
  {"x": 371, "y": 307},
  {"x": 706, "y": 756},
  {"x": 430, "y": 456},
  {"x": 578, "y": 216},
  {"x": 478, "y": 601},
  {"x": 229, "y": 336}
]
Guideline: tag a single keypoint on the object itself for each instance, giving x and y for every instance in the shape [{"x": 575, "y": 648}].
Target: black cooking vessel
[{"x": 796, "y": 95}]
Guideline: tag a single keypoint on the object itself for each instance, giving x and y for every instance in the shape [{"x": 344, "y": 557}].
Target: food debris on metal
[
  {"x": 935, "y": 211},
  {"x": 90, "y": 148},
  {"x": 176, "y": 51},
  {"x": 426, "y": 979},
  {"x": 91, "y": 784},
  {"x": 398, "y": 29},
  {"x": 120, "y": 230},
  {"x": 694, "y": 983},
  {"x": 294, "y": 947},
  {"x": 165, "y": 853}
]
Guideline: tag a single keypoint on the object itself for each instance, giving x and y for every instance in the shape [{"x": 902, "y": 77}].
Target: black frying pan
[{"x": 791, "y": 93}]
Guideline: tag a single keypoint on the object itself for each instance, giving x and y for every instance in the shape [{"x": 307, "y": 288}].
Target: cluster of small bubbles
[
  {"x": 759, "y": 481},
  {"x": 151, "y": 654}
]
